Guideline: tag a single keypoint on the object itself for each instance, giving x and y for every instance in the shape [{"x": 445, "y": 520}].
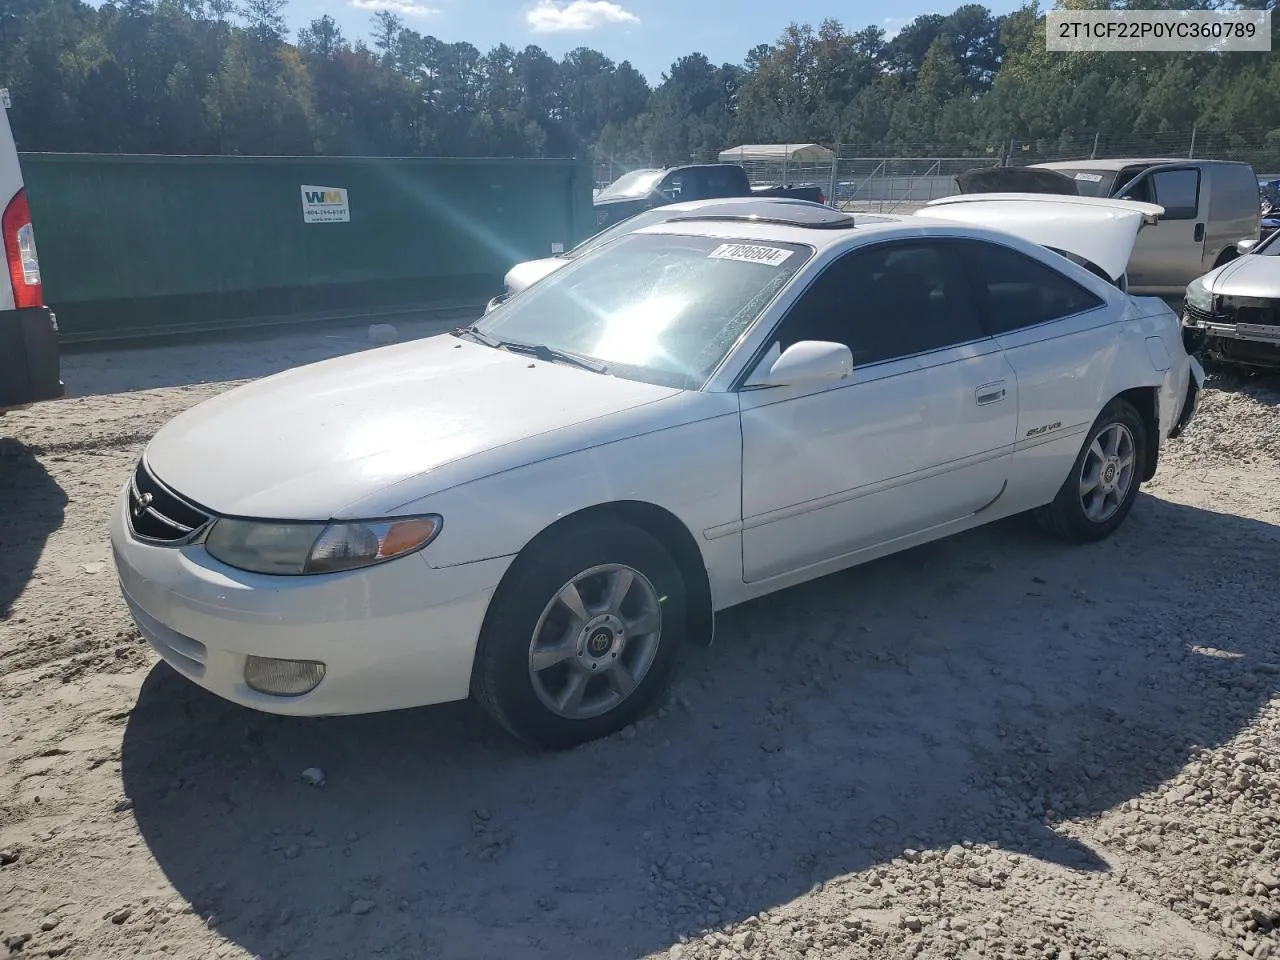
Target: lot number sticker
[
  {"x": 325, "y": 205},
  {"x": 1089, "y": 177},
  {"x": 750, "y": 253}
]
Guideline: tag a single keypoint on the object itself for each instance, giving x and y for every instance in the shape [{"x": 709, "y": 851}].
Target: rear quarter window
[{"x": 1015, "y": 291}]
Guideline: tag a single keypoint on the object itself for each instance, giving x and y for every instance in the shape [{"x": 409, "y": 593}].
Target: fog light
[{"x": 282, "y": 678}]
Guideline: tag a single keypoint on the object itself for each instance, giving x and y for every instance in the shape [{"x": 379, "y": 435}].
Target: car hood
[
  {"x": 305, "y": 444},
  {"x": 526, "y": 274},
  {"x": 1247, "y": 276},
  {"x": 1100, "y": 230}
]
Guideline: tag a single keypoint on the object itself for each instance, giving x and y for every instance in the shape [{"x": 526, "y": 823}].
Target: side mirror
[
  {"x": 1245, "y": 246},
  {"x": 809, "y": 361}
]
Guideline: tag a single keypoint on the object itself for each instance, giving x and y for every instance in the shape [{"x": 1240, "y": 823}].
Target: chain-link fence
[{"x": 874, "y": 177}]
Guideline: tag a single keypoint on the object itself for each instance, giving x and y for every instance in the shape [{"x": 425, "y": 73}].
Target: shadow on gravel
[
  {"x": 31, "y": 508},
  {"x": 953, "y": 693}
]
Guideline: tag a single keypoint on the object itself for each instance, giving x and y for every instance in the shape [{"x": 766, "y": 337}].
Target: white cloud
[
  {"x": 550, "y": 17},
  {"x": 405, "y": 8},
  {"x": 893, "y": 26}
]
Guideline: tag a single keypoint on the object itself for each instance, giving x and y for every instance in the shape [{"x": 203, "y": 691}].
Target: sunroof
[{"x": 815, "y": 217}]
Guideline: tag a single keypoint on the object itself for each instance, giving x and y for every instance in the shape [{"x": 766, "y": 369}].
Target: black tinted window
[
  {"x": 1015, "y": 291},
  {"x": 1178, "y": 191},
  {"x": 888, "y": 301},
  {"x": 673, "y": 187},
  {"x": 723, "y": 182}
]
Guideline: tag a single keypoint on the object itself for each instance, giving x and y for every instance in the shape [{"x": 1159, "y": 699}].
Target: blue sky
[{"x": 649, "y": 33}]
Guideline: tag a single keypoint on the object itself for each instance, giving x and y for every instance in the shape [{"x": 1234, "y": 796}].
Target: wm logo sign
[{"x": 324, "y": 204}]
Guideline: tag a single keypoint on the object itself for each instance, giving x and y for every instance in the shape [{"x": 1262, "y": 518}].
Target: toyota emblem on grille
[{"x": 144, "y": 501}]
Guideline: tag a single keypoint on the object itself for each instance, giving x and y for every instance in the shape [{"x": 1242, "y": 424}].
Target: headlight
[
  {"x": 299, "y": 548},
  {"x": 1198, "y": 296}
]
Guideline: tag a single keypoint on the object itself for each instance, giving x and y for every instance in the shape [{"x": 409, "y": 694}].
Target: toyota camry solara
[{"x": 538, "y": 510}]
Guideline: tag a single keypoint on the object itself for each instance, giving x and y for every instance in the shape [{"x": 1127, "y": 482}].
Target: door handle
[
  {"x": 1199, "y": 234},
  {"x": 990, "y": 393}
]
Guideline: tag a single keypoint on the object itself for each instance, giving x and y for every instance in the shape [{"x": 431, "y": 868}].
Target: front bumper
[
  {"x": 400, "y": 634},
  {"x": 1233, "y": 334}
]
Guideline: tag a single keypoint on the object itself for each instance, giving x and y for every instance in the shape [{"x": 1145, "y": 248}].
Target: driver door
[{"x": 919, "y": 436}]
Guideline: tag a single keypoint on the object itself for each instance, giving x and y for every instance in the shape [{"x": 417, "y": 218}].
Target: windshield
[
  {"x": 634, "y": 184},
  {"x": 1091, "y": 183},
  {"x": 659, "y": 308},
  {"x": 1268, "y": 247}
]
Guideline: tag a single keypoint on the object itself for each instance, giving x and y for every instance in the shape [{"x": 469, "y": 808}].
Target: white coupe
[{"x": 539, "y": 509}]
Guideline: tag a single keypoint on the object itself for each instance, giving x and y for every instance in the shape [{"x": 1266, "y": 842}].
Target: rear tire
[
  {"x": 581, "y": 636},
  {"x": 1104, "y": 481}
]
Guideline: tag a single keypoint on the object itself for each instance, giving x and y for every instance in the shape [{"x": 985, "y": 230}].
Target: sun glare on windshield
[{"x": 633, "y": 334}]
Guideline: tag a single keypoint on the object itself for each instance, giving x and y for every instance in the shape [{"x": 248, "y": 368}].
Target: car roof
[
  {"x": 861, "y": 227},
  {"x": 742, "y": 206},
  {"x": 1124, "y": 162}
]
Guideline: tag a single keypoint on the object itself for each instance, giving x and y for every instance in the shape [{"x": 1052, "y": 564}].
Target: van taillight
[{"x": 20, "y": 252}]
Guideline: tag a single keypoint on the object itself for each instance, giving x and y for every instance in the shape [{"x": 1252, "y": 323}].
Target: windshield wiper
[
  {"x": 539, "y": 350},
  {"x": 477, "y": 336},
  {"x": 552, "y": 355}
]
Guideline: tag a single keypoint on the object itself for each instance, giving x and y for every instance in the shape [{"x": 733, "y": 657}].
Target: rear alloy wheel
[
  {"x": 1104, "y": 480},
  {"x": 582, "y": 634},
  {"x": 1107, "y": 473}
]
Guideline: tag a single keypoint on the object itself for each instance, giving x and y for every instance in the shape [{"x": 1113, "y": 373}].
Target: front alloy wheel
[
  {"x": 595, "y": 641},
  {"x": 582, "y": 633}
]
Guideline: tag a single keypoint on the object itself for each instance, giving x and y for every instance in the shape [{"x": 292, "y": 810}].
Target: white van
[{"x": 30, "y": 369}]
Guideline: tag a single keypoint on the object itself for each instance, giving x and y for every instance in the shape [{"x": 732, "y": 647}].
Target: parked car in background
[
  {"x": 539, "y": 509},
  {"x": 1209, "y": 207},
  {"x": 1232, "y": 314},
  {"x": 524, "y": 274},
  {"x": 29, "y": 360},
  {"x": 642, "y": 189}
]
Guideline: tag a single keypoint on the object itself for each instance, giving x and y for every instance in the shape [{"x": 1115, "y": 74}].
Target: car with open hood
[
  {"x": 1232, "y": 314},
  {"x": 538, "y": 510}
]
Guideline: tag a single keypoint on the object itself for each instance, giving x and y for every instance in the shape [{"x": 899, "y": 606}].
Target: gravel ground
[{"x": 992, "y": 746}]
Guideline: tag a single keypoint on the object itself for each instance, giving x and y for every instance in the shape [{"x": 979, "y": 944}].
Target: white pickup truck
[{"x": 30, "y": 368}]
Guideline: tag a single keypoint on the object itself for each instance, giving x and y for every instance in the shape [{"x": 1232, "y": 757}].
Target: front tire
[
  {"x": 581, "y": 636},
  {"x": 1104, "y": 480}
]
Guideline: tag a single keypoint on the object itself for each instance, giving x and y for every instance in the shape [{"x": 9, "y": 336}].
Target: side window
[
  {"x": 1140, "y": 191},
  {"x": 888, "y": 301},
  {"x": 720, "y": 182},
  {"x": 672, "y": 186},
  {"x": 1178, "y": 191},
  {"x": 1015, "y": 291}
]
